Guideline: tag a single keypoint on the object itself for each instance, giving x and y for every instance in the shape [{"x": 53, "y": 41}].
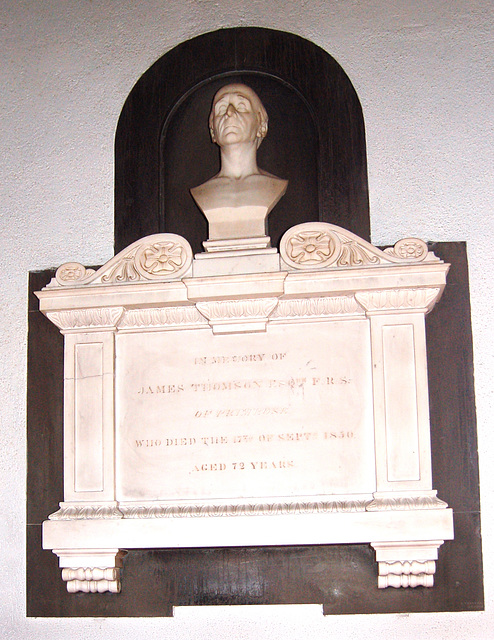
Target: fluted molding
[
  {"x": 93, "y": 586},
  {"x": 92, "y": 580},
  {"x": 407, "y": 568},
  {"x": 406, "y": 574},
  {"x": 405, "y": 581}
]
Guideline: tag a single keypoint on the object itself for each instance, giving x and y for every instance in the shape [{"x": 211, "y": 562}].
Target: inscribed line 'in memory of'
[{"x": 242, "y": 416}]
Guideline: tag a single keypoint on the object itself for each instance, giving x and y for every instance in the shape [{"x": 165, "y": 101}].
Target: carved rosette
[
  {"x": 72, "y": 273},
  {"x": 408, "y": 249},
  {"x": 320, "y": 245},
  {"x": 160, "y": 257},
  {"x": 311, "y": 247}
]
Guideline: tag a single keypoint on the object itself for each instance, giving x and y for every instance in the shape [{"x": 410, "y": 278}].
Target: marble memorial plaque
[
  {"x": 286, "y": 392},
  {"x": 280, "y": 414},
  {"x": 292, "y": 402}
]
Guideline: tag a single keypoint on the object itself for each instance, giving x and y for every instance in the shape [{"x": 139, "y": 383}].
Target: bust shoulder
[{"x": 260, "y": 190}]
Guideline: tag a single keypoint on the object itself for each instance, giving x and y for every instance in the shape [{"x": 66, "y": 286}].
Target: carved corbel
[
  {"x": 91, "y": 570},
  {"x": 406, "y": 564}
]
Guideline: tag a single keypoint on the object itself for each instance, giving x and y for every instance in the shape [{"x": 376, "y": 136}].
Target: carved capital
[
  {"x": 399, "y": 300},
  {"x": 78, "y": 320},
  {"x": 319, "y": 245},
  {"x": 238, "y": 316}
]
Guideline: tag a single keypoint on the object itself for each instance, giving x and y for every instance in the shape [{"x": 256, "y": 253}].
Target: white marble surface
[
  {"x": 58, "y": 183},
  {"x": 292, "y": 402},
  {"x": 238, "y": 199},
  {"x": 283, "y": 413},
  {"x": 405, "y": 528}
]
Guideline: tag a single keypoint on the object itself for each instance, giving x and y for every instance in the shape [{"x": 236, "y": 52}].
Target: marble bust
[{"x": 237, "y": 200}]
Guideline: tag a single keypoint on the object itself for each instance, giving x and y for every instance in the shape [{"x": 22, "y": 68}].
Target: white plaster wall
[{"x": 423, "y": 72}]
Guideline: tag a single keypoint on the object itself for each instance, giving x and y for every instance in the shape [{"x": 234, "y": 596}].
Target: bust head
[
  {"x": 237, "y": 200},
  {"x": 237, "y": 116}
]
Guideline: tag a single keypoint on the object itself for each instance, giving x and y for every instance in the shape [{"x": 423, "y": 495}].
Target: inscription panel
[{"x": 287, "y": 413}]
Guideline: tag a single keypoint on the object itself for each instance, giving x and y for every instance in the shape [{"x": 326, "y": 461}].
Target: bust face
[{"x": 237, "y": 116}]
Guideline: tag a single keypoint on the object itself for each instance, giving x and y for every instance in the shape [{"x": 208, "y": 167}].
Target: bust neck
[{"x": 238, "y": 161}]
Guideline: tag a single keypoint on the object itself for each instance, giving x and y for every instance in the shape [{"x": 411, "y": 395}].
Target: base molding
[{"x": 402, "y": 560}]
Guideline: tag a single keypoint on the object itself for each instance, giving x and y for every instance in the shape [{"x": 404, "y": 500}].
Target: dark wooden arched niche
[{"x": 316, "y": 136}]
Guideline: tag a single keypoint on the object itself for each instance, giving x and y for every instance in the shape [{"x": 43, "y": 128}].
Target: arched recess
[{"x": 316, "y": 138}]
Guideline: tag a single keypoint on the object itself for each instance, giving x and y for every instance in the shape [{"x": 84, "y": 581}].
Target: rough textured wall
[{"x": 423, "y": 74}]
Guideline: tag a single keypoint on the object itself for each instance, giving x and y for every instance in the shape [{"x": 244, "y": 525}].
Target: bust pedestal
[{"x": 237, "y": 211}]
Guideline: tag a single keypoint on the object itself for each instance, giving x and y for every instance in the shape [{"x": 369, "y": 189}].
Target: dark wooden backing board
[
  {"x": 317, "y": 141},
  {"x": 316, "y": 138},
  {"x": 341, "y": 577}
]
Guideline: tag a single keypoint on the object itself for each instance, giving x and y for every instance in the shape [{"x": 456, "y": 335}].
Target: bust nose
[{"x": 230, "y": 110}]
